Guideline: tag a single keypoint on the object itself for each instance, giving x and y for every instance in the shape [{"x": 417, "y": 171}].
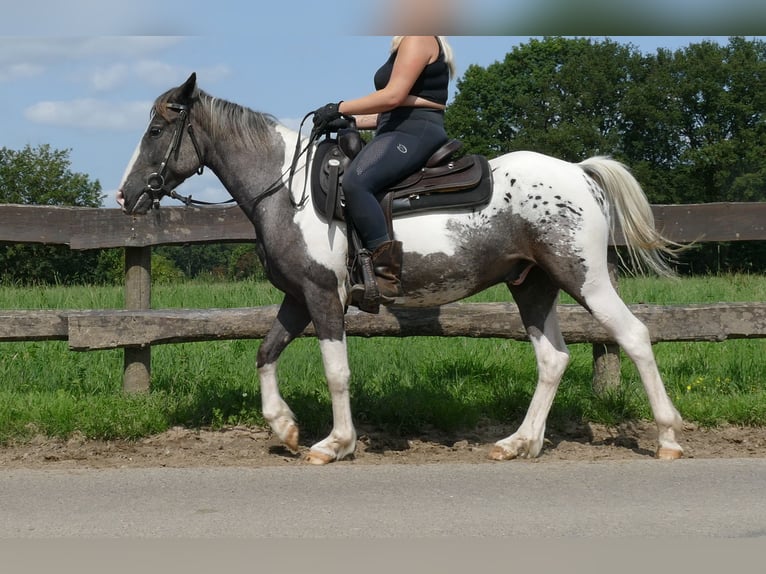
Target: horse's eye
[{"x": 155, "y": 131}]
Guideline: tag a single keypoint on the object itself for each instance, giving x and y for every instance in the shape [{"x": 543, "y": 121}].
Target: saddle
[{"x": 442, "y": 184}]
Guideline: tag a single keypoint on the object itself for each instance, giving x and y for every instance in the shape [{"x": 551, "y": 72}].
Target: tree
[
  {"x": 693, "y": 123},
  {"x": 557, "y": 96},
  {"x": 220, "y": 261},
  {"x": 42, "y": 176}
]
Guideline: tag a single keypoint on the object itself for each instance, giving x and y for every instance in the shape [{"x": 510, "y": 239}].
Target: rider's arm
[
  {"x": 413, "y": 55},
  {"x": 366, "y": 121}
]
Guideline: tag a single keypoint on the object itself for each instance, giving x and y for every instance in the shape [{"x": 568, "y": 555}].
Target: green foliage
[
  {"x": 29, "y": 264},
  {"x": 216, "y": 261},
  {"x": 450, "y": 384},
  {"x": 555, "y": 96},
  {"x": 42, "y": 176},
  {"x": 694, "y": 123},
  {"x": 164, "y": 270}
]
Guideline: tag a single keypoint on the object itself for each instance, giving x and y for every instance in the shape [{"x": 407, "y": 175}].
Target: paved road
[{"x": 709, "y": 498}]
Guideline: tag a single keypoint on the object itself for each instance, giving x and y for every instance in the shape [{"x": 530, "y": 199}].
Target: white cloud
[
  {"x": 19, "y": 71},
  {"x": 22, "y": 58},
  {"x": 47, "y": 51},
  {"x": 154, "y": 73},
  {"x": 88, "y": 113},
  {"x": 108, "y": 78},
  {"x": 158, "y": 74}
]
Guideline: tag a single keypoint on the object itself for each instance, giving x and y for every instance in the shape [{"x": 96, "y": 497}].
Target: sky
[{"x": 80, "y": 75}]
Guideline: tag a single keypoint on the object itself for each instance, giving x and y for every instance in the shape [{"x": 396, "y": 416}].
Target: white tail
[{"x": 647, "y": 248}]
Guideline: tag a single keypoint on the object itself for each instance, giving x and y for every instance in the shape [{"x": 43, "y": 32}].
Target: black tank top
[{"x": 432, "y": 84}]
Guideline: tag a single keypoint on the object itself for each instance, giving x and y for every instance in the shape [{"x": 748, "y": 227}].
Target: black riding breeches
[{"x": 404, "y": 140}]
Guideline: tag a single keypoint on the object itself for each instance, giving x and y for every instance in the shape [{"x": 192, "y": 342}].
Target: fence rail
[
  {"x": 138, "y": 327},
  {"x": 112, "y": 329},
  {"x": 98, "y": 228}
]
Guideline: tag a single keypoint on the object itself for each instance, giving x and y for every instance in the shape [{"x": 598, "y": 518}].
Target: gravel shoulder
[{"x": 257, "y": 447}]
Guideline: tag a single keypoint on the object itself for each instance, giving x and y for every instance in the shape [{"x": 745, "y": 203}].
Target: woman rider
[{"x": 407, "y": 112}]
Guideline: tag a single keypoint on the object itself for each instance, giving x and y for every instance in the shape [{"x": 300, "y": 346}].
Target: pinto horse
[{"x": 546, "y": 229}]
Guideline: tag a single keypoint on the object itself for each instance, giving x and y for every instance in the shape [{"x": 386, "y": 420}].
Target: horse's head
[{"x": 167, "y": 154}]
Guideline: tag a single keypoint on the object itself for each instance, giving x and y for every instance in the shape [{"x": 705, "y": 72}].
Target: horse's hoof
[
  {"x": 665, "y": 453},
  {"x": 318, "y": 458},
  {"x": 499, "y": 453},
  {"x": 291, "y": 438}
]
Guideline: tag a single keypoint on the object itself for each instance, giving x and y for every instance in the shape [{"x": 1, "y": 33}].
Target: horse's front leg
[
  {"x": 292, "y": 319},
  {"x": 327, "y": 315}
]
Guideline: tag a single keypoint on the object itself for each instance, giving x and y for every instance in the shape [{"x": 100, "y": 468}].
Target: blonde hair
[{"x": 446, "y": 48}]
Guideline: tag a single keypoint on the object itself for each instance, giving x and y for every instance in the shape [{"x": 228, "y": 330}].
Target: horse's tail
[{"x": 647, "y": 248}]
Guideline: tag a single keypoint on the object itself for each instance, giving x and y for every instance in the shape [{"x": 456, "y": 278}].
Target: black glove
[
  {"x": 337, "y": 124},
  {"x": 326, "y": 114}
]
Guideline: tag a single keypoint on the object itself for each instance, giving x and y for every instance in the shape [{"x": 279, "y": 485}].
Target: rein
[{"x": 155, "y": 183}]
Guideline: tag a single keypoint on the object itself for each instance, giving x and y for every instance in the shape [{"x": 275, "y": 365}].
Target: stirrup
[
  {"x": 369, "y": 304},
  {"x": 366, "y": 295}
]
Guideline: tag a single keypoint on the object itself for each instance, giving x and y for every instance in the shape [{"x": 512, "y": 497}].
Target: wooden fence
[{"x": 138, "y": 326}]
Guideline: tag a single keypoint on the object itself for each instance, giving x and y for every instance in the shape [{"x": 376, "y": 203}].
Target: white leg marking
[
  {"x": 342, "y": 440},
  {"x": 552, "y": 360},
  {"x": 633, "y": 336},
  {"x": 275, "y": 409}
]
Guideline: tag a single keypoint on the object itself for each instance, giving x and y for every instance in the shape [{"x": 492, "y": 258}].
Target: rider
[{"x": 407, "y": 110}]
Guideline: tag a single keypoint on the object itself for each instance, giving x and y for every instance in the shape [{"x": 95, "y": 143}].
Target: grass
[{"x": 401, "y": 386}]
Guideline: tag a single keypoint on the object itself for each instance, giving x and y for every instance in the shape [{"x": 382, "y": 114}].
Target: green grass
[{"x": 402, "y": 386}]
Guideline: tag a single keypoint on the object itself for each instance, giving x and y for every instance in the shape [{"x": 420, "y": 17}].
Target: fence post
[
  {"x": 138, "y": 296},
  {"x": 606, "y": 356}
]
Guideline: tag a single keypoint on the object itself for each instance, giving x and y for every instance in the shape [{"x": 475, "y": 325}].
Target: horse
[{"x": 546, "y": 229}]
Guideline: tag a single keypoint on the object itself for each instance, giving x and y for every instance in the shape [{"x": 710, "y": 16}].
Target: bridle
[{"x": 155, "y": 183}]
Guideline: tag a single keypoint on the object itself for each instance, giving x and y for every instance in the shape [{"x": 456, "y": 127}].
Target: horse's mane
[{"x": 223, "y": 119}]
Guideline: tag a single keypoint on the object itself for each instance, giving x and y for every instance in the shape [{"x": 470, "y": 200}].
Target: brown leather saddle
[{"x": 442, "y": 184}]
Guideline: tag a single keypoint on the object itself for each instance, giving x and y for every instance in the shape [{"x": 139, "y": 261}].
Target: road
[
  {"x": 646, "y": 498},
  {"x": 699, "y": 516}
]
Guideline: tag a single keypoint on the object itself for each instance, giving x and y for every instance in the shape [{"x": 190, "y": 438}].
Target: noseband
[{"x": 155, "y": 183}]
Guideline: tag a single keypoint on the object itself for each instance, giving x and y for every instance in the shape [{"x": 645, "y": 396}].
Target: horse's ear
[{"x": 189, "y": 88}]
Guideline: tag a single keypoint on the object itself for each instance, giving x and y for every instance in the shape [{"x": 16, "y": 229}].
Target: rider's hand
[{"x": 327, "y": 114}]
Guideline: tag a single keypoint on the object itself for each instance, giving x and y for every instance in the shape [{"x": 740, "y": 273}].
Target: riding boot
[{"x": 387, "y": 264}]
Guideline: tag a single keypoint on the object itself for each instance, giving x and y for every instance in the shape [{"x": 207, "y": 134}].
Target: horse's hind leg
[
  {"x": 536, "y": 298},
  {"x": 632, "y": 335},
  {"x": 292, "y": 319}
]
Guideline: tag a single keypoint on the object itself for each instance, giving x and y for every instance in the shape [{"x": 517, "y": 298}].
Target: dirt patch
[{"x": 257, "y": 447}]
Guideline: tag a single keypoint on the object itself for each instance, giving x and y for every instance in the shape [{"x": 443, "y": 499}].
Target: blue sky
[{"x": 83, "y": 77}]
